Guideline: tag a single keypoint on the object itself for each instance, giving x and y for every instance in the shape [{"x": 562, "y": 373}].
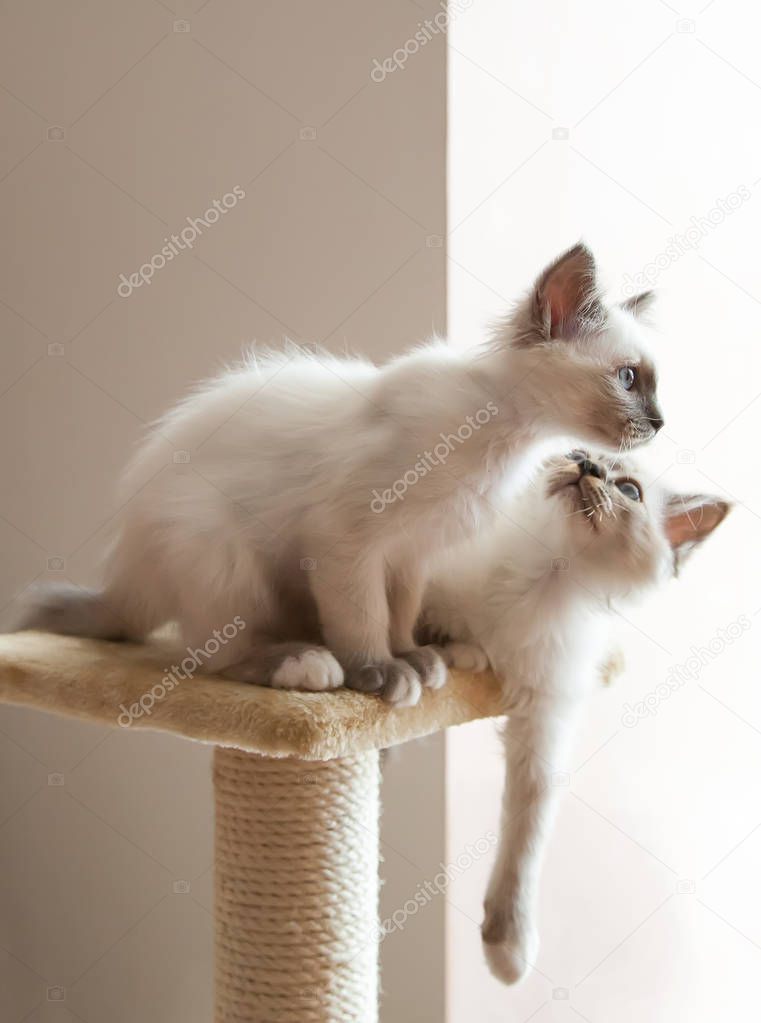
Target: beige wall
[{"x": 118, "y": 122}]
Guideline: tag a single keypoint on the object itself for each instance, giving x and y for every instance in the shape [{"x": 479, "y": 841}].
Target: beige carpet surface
[{"x": 133, "y": 687}]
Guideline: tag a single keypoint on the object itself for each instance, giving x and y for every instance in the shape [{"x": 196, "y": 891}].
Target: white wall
[{"x": 661, "y": 124}]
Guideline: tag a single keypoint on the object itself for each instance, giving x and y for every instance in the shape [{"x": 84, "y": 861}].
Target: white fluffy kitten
[
  {"x": 312, "y": 497},
  {"x": 534, "y": 594}
]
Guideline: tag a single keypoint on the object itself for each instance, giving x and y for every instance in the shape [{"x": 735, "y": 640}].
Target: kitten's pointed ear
[
  {"x": 639, "y": 305},
  {"x": 566, "y": 299},
  {"x": 689, "y": 520}
]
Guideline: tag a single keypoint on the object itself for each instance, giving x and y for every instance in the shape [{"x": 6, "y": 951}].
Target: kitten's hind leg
[
  {"x": 240, "y": 636},
  {"x": 247, "y": 653},
  {"x": 287, "y": 665}
]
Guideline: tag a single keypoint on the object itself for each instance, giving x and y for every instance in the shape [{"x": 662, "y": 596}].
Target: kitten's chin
[
  {"x": 585, "y": 505},
  {"x": 637, "y": 439},
  {"x": 623, "y": 437}
]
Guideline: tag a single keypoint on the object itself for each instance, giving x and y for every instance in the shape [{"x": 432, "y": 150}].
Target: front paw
[
  {"x": 429, "y": 664},
  {"x": 510, "y": 948},
  {"x": 394, "y": 680},
  {"x": 465, "y": 657},
  {"x": 313, "y": 670}
]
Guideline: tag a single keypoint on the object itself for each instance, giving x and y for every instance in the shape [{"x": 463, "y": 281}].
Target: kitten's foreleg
[
  {"x": 535, "y": 736},
  {"x": 349, "y": 588},
  {"x": 405, "y": 593}
]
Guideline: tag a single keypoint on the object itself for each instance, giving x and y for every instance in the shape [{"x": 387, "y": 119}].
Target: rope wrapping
[{"x": 296, "y": 892}]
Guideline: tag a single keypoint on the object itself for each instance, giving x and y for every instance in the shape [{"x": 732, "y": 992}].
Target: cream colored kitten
[
  {"x": 312, "y": 490},
  {"x": 532, "y": 594}
]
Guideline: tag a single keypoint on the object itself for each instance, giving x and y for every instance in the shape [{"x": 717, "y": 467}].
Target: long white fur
[
  {"x": 272, "y": 518},
  {"x": 534, "y": 593}
]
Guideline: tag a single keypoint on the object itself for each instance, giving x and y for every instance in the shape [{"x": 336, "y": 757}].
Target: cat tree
[{"x": 296, "y": 790}]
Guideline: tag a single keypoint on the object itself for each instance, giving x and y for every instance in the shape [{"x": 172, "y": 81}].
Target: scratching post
[
  {"x": 296, "y": 888},
  {"x": 296, "y": 809}
]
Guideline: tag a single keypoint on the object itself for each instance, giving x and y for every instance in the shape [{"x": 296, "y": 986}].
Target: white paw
[
  {"x": 429, "y": 663},
  {"x": 315, "y": 670},
  {"x": 405, "y": 690},
  {"x": 395, "y": 680},
  {"x": 511, "y": 955},
  {"x": 465, "y": 657},
  {"x": 506, "y": 963}
]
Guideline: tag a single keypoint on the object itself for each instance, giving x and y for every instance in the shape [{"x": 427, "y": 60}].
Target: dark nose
[
  {"x": 654, "y": 416},
  {"x": 589, "y": 468}
]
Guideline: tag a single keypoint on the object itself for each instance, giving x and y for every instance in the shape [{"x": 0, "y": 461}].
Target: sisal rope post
[
  {"x": 296, "y": 809},
  {"x": 296, "y": 890}
]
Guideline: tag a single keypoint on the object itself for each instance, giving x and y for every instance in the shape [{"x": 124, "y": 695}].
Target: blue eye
[
  {"x": 627, "y": 376},
  {"x": 629, "y": 489}
]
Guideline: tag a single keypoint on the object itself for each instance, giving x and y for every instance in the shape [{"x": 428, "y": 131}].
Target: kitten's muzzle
[
  {"x": 585, "y": 481},
  {"x": 568, "y": 472},
  {"x": 595, "y": 498},
  {"x": 654, "y": 416},
  {"x": 642, "y": 429}
]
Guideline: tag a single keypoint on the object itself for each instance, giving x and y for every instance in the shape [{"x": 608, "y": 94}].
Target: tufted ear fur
[
  {"x": 689, "y": 520},
  {"x": 566, "y": 301},
  {"x": 639, "y": 305}
]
